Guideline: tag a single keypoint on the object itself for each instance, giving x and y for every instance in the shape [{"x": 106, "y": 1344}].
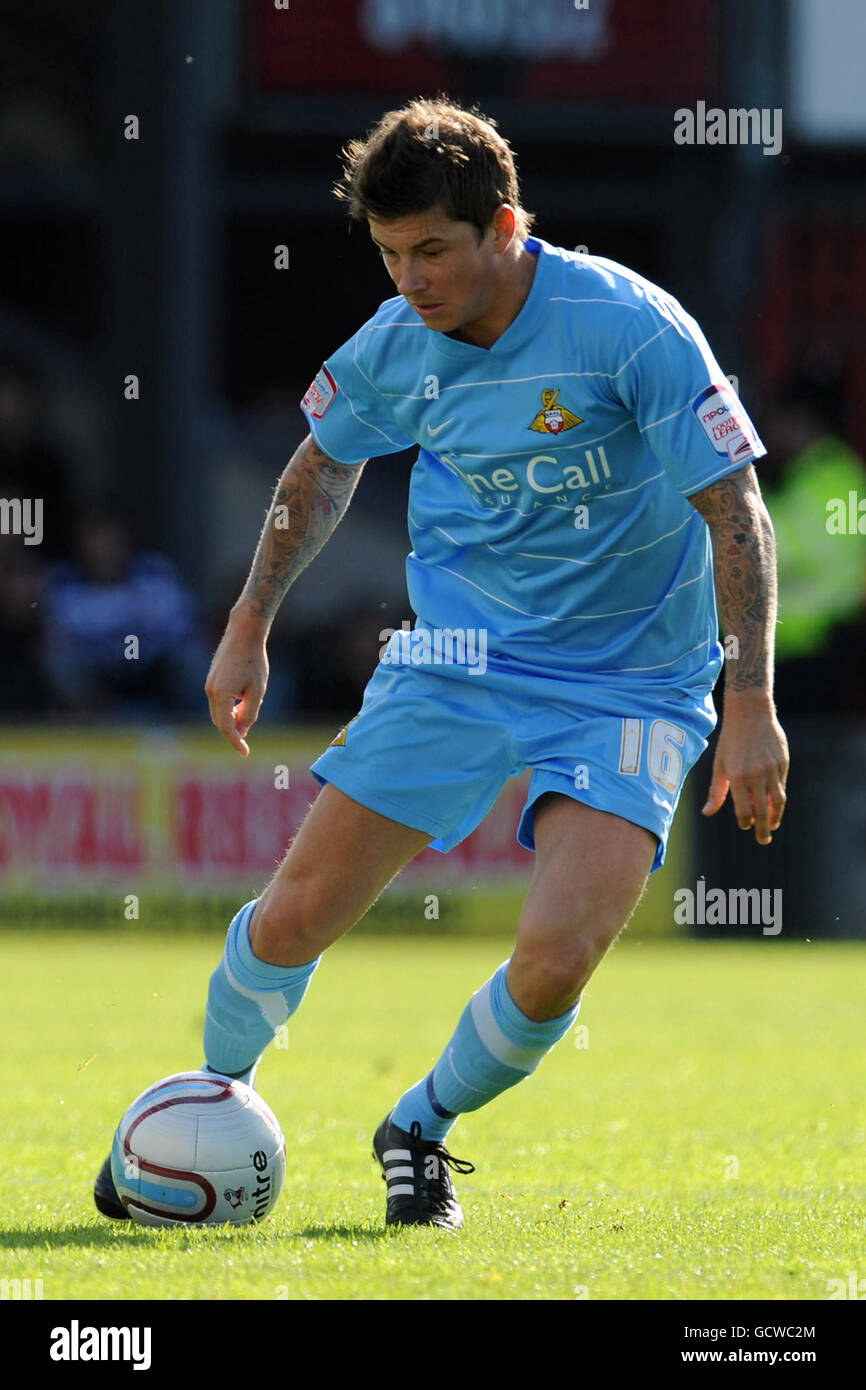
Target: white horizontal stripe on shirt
[{"x": 572, "y": 617}]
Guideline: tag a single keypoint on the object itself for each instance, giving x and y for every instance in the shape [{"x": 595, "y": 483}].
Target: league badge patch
[
  {"x": 725, "y": 423},
  {"x": 321, "y": 391}
]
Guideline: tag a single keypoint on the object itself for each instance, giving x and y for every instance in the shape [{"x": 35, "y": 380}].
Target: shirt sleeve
[
  {"x": 349, "y": 419},
  {"x": 685, "y": 407}
]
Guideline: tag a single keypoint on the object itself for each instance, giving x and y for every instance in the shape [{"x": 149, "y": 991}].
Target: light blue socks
[
  {"x": 248, "y": 1002},
  {"x": 494, "y": 1047}
]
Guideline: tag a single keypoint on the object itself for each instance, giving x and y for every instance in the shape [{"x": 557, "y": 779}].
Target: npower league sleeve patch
[
  {"x": 320, "y": 392},
  {"x": 725, "y": 423}
]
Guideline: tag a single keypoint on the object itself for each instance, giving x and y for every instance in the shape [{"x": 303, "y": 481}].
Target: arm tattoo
[
  {"x": 744, "y": 553},
  {"x": 311, "y": 497}
]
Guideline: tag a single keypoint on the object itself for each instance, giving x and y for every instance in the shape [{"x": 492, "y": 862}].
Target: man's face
[{"x": 440, "y": 266}]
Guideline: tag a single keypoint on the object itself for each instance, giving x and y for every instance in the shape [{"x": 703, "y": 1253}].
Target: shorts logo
[
  {"x": 320, "y": 393},
  {"x": 340, "y": 740},
  {"x": 553, "y": 418},
  {"x": 725, "y": 423}
]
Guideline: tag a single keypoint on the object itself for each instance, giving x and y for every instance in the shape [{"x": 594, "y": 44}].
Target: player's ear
[{"x": 504, "y": 224}]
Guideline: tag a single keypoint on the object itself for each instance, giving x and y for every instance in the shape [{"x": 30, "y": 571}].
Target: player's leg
[
  {"x": 608, "y": 770},
  {"x": 590, "y": 871},
  {"x": 342, "y": 858},
  {"x": 338, "y": 864},
  {"x": 384, "y": 774}
]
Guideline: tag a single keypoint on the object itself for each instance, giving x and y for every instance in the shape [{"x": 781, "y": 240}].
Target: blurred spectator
[
  {"x": 28, "y": 466},
  {"x": 336, "y": 660},
  {"x": 821, "y": 633},
  {"x": 39, "y": 134},
  {"x": 25, "y": 689},
  {"x": 123, "y": 636}
]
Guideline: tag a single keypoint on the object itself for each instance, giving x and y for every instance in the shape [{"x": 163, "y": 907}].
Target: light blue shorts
[{"x": 432, "y": 748}]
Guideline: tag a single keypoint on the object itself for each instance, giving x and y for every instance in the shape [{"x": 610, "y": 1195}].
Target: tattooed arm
[
  {"x": 312, "y": 496},
  {"x": 744, "y": 560},
  {"x": 752, "y": 752}
]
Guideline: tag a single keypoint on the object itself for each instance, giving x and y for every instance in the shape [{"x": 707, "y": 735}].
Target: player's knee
[
  {"x": 554, "y": 971},
  {"x": 290, "y": 916}
]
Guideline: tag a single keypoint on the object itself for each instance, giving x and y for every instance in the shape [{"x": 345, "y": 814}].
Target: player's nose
[{"x": 411, "y": 282}]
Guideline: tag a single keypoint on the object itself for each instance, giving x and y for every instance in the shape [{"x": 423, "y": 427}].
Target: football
[{"x": 200, "y": 1150}]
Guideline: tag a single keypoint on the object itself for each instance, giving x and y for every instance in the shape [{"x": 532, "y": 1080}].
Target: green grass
[{"x": 605, "y": 1172}]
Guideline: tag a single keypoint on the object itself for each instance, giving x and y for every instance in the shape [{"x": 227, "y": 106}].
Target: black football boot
[
  {"x": 105, "y": 1195},
  {"x": 420, "y": 1190}
]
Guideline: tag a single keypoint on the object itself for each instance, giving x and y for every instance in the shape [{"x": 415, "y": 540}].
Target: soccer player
[{"x": 582, "y": 499}]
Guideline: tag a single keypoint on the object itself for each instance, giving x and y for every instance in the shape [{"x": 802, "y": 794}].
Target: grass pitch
[{"x": 708, "y": 1141}]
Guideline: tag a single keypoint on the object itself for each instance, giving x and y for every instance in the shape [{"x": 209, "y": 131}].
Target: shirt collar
[{"x": 521, "y": 327}]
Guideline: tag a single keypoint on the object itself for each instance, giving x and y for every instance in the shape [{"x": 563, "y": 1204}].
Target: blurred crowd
[
  {"x": 98, "y": 625},
  {"x": 808, "y": 478}
]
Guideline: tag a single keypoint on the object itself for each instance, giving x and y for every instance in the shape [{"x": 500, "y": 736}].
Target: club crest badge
[{"x": 553, "y": 418}]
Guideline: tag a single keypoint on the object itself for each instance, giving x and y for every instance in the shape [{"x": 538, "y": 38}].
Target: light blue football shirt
[{"x": 548, "y": 500}]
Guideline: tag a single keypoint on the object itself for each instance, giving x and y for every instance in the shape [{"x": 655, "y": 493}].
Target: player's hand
[
  {"x": 751, "y": 762},
  {"x": 236, "y": 683}
]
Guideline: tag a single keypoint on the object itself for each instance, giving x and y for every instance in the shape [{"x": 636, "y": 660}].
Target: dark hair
[{"x": 432, "y": 151}]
